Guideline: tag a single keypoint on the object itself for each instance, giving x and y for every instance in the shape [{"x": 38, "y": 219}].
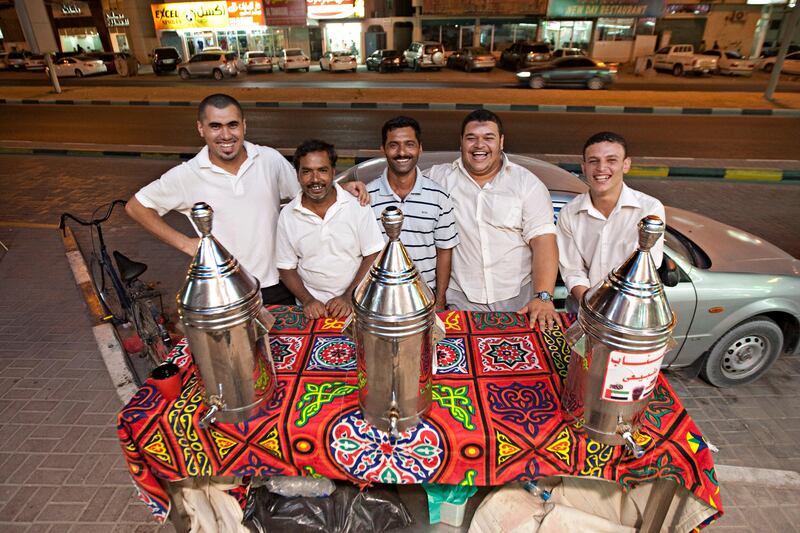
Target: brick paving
[{"x": 60, "y": 465}]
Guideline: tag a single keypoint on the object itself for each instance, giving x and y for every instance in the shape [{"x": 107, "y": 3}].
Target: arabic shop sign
[
  {"x": 115, "y": 19},
  {"x": 245, "y": 13},
  {"x": 185, "y": 15},
  {"x": 605, "y": 8},
  {"x": 285, "y": 12},
  {"x": 335, "y": 9}
]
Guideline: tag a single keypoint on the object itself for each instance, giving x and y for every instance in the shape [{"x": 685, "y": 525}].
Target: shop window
[
  {"x": 507, "y": 34},
  {"x": 609, "y": 29},
  {"x": 568, "y": 33},
  {"x": 688, "y": 9},
  {"x": 646, "y": 26}
]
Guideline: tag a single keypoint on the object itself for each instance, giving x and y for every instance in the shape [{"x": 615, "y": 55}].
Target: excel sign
[
  {"x": 184, "y": 15},
  {"x": 605, "y": 8}
]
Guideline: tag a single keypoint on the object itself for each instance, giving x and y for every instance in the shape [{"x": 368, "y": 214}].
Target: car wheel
[
  {"x": 677, "y": 70},
  {"x": 184, "y": 74},
  {"x": 78, "y": 73},
  {"x": 768, "y": 67},
  {"x": 382, "y": 69},
  {"x": 537, "y": 82},
  {"x": 235, "y": 73},
  {"x": 416, "y": 65},
  {"x": 743, "y": 353},
  {"x": 218, "y": 75},
  {"x": 595, "y": 83},
  {"x": 468, "y": 67}
]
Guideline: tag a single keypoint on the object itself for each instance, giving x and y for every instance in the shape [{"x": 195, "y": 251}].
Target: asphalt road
[
  {"x": 446, "y": 78},
  {"x": 714, "y": 137}
]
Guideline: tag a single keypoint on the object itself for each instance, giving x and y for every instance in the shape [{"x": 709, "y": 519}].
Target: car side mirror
[{"x": 669, "y": 273}]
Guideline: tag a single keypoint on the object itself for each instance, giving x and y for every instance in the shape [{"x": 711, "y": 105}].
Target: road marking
[
  {"x": 753, "y": 174},
  {"x": 658, "y": 172}
]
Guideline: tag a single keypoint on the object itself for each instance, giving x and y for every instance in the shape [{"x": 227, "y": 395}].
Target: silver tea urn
[
  {"x": 395, "y": 329},
  {"x": 623, "y": 330},
  {"x": 226, "y": 325}
]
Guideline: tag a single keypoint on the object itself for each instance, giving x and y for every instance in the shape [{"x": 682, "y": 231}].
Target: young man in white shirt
[
  {"x": 597, "y": 230},
  {"x": 507, "y": 259},
  {"x": 429, "y": 227},
  {"x": 244, "y": 184},
  {"x": 326, "y": 241}
]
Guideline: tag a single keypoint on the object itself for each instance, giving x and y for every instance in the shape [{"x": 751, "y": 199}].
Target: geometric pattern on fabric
[{"x": 495, "y": 417}]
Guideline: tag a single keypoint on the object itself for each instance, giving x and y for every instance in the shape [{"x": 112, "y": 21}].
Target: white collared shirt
[
  {"x": 428, "y": 224},
  {"x": 495, "y": 225},
  {"x": 246, "y": 204},
  {"x": 326, "y": 252},
  {"x": 591, "y": 245}
]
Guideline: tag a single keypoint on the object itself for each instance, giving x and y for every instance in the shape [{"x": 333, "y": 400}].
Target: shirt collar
[
  {"x": 459, "y": 164},
  {"x": 203, "y": 161},
  {"x": 626, "y": 199},
  {"x": 341, "y": 200},
  {"x": 384, "y": 189}
]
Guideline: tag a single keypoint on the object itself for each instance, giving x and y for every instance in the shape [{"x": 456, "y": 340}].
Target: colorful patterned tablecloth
[{"x": 495, "y": 419}]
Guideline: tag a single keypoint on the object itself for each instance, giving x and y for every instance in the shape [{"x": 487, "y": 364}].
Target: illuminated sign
[
  {"x": 185, "y": 15},
  {"x": 335, "y": 9},
  {"x": 115, "y": 19},
  {"x": 245, "y": 13},
  {"x": 605, "y": 8},
  {"x": 285, "y": 12}
]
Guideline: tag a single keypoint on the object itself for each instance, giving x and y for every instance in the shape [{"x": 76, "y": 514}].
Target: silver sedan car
[{"x": 736, "y": 296}]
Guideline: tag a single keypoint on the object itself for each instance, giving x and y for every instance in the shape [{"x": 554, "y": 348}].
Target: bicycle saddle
[{"x": 129, "y": 269}]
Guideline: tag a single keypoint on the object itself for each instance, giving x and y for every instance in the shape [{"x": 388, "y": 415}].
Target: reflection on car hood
[{"x": 732, "y": 249}]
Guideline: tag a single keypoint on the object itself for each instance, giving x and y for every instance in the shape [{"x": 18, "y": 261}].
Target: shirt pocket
[{"x": 503, "y": 211}]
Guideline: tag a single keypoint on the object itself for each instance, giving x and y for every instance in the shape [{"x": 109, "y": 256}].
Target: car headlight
[{"x": 523, "y": 75}]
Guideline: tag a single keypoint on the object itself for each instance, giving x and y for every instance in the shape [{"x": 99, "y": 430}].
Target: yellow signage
[{"x": 185, "y": 15}]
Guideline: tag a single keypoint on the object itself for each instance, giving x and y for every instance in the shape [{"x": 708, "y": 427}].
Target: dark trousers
[{"x": 277, "y": 294}]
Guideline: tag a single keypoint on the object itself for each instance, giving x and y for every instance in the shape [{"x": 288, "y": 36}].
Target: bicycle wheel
[
  {"x": 150, "y": 331},
  {"x": 107, "y": 292}
]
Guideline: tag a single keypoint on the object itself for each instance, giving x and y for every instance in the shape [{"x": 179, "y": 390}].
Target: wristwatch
[{"x": 544, "y": 296}]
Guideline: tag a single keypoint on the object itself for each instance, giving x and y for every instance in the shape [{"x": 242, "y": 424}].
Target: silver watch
[{"x": 544, "y": 296}]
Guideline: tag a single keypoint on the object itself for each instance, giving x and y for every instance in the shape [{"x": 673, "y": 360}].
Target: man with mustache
[
  {"x": 597, "y": 230},
  {"x": 429, "y": 228},
  {"x": 507, "y": 259},
  {"x": 326, "y": 241},
  {"x": 244, "y": 184}
]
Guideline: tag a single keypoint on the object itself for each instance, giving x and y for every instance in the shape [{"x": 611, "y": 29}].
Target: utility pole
[{"x": 791, "y": 28}]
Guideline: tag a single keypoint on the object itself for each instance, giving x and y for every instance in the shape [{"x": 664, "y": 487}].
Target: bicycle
[{"x": 125, "y": 298}]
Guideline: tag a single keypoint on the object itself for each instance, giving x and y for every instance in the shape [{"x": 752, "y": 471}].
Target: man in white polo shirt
[
  {"x": 507, "y": 258},
  {"x": 244, "y": 184},
  {"x": 326, "y": 241},
  {"x": 597, "y": 230},
  {"x": 429, "y": 226}
]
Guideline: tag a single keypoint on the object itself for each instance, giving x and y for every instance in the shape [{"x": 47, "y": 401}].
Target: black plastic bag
[{"x": 347, "y": 510}]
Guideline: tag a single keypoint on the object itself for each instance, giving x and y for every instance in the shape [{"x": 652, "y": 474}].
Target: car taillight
[{"x": 734, "y": 64}]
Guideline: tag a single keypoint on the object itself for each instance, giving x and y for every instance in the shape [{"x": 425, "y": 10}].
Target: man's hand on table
[
  {"x": 339, "y": 307},
  {"x": 543, "y": 312},
  {"x": 314, "y": 309},
  {"x": 357, "y": 189}
]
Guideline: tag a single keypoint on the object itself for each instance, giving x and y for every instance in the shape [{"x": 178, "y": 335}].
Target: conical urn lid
[
  {"x": 393, "y": 289},
  {"x": 218, "y": 291},
  {"x": 629, "y": 309}
]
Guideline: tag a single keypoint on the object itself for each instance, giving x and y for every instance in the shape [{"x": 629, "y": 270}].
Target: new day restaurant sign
[{"x": 605, "y": 8}]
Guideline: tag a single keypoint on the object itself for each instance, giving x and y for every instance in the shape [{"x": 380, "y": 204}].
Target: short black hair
[
  {"x": 219, "y": 101},
  {"x": 482, "y": 115},
  {"x": 606, "y": 137},
  {"x": 397, "y": 123},
  {"x": 314, "y": 145}
]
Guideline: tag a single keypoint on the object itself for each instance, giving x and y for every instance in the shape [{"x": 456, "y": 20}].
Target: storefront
[
  {"x": 340, "y": 26},
  {"x": 118, "y": 25},
  {"x": 80, "y": 26},
  {"x": 491, "y": 33}
]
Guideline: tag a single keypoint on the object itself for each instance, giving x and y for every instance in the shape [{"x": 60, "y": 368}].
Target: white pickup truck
[{"x": 680, "y": 58}]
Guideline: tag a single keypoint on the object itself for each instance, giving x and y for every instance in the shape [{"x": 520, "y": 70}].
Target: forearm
[
  {"x": 295, "y": 284},
  {"x": 154, "y": 224},
  {"x": 365, "y": 265},
  {"x": 544, "y": 263},
  {"x": 578, "y": 291},
  {"x": 444, "y": 257}
]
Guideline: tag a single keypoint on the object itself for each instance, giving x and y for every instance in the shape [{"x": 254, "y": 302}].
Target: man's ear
[
  {"x": 383, "y": 151},
  {"x": 244, "y": 126},
  {"x": 502, "y": 139},
  {"x": 626, "y": 165},
  {"x": 200, "y": 129}
]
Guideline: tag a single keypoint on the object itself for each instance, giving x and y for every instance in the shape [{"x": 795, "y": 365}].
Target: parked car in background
[
  {"x": 78, "y": 66},
  {"x": 577, "y": 71},
  {"x": 736, "y": 297},
  {"x": 255, "y": 61},
  {"x": 34, "y": 62},
  {"x": 425, "y": 54},
  {"x": 791, "y": 64},
  {"x": 522, "y": 54},
  {"x": 731, "y": 62},
  {"x": 16, "y": 60},
  {"x": 471, "y": 58},
  {"x": 564, "y": 52},
  {"x": 3, "y": 60},
  {"x": 165, "y": 59},
  {"x": 216, "y": 63},
  {"x": 294, "y": 59},
  {"x": 339, "y": 60},
  {"x": 681, "y": 59},
  {"x": 384, "y": 60}
]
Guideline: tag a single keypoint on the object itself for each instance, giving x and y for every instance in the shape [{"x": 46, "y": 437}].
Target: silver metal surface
[
  {"x": 619, "y": 340},
  {"x": 395, "y": 329},
  {"x": 221, "y": 309}
]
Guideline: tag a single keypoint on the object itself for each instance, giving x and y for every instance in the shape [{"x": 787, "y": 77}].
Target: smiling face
[
  {"x": 315, "y": 174},
  {"x": 402, "y": 149},
  {"x": 604, "y": 165},
  {"x": 223, "y": 131},
  {"x": 482, "y": 149}
]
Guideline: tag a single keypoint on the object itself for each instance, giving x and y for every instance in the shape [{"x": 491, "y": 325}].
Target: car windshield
[
  {"x": 340, "y": 54},
  {"x": 478, "y": 51},
  {"x": 389, "y": 53},
  {"x": 256, "y": 54},
  {"x": 733, "y": 55},
  {"x": 294, "y": 52},
  {"x": 166, "y": 52},
  {"x": 536, "y": 49},
  {"x": 687, "y": 248}
]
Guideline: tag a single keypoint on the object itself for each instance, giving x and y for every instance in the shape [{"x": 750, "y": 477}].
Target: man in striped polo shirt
[{"x": 429, "y": 228}]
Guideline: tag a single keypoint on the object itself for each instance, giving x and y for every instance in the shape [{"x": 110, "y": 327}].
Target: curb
[
  {"x": 349, "y": 158},
  {"x": 533, "y": 108}
]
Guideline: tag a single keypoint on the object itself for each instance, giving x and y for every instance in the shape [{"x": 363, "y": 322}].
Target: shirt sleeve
[
  {"x": 370, "y": 237},
  {"x": 166, "y": 193},
  {"x": 445, "y": 235},
  {"x": 570, "y": 263},
  {"x": 537, "y": 213},
  {"x": 288, "y": 186},
  {"x": 285, "y": 254}
]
